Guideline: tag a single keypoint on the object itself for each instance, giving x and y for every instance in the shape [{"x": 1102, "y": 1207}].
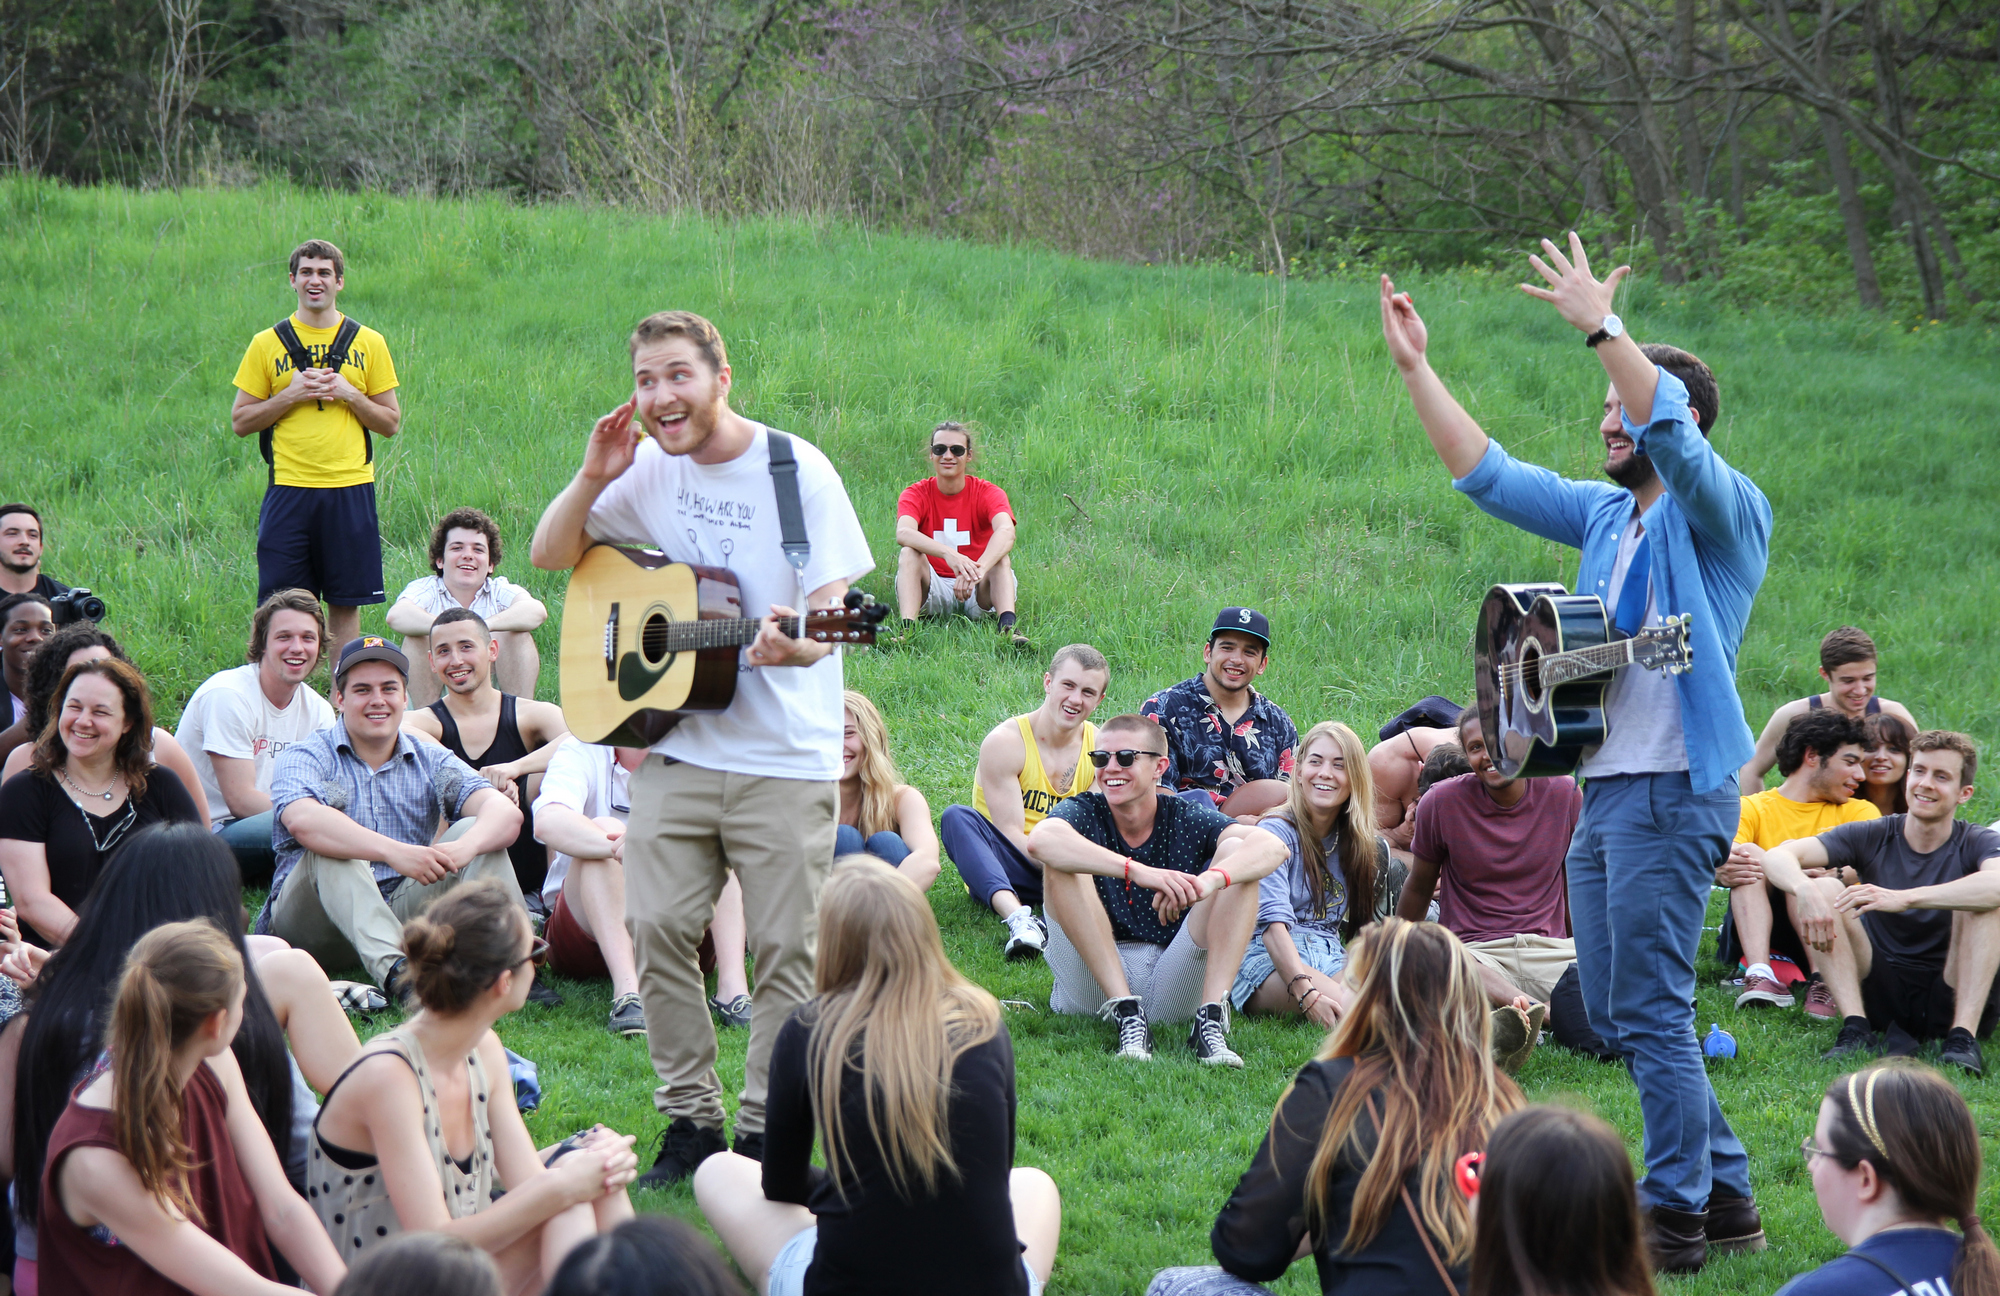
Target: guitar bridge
[{"x": 611, "y": 644}]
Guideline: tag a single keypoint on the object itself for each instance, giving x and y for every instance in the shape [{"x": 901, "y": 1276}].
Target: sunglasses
[
  {"x": 1125, "y": 757},
  {"x": 950, "y": 451},
  {"x": 538, "y": 953}
]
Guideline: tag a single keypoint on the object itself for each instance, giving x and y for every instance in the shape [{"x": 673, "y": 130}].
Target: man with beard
[
  {"x": 1228, "y": 746},
  {"x": 21, "y": 554},
  {"x": 752, "y": 789},
  {"x": 1677, "y": 532}
]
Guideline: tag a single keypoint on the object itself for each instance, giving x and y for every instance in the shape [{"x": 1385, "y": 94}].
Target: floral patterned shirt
[{"x": 1206, "y": 751}]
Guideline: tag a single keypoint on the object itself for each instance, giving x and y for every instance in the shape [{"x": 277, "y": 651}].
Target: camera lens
[{"x": 92, "y": 608}]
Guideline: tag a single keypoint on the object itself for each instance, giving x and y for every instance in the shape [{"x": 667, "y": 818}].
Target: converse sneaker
[
  {"x": 1135, "y": 1037},
  {"x": 1209, "y": 1037},
  {"x": 1027, "y": 935},
  {"x": 1761, "y": 988}
]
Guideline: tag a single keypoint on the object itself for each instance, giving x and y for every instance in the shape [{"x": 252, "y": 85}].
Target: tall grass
[{"x": 1173, "y": 440}]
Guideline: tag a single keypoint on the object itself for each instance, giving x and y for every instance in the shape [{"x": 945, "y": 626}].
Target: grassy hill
[{"x": 1173, "y": 440}]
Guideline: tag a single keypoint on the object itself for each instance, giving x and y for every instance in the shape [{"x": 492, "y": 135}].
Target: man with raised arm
[
  {"x": 317, "y": 529},
  {"x": 1912, "y": 949},
  {"x": 1847, "y": 662},
  {"x": 240, "y": 720},
  {"x": 753, "y": 789},
  {"x": 1027, "y": 764},
  {"x": 1676, "y": 532},
  {"x": 358, "y": 810},
  {"x": 1150, "y": 911}
]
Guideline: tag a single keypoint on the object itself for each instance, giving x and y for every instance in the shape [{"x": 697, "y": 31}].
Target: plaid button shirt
[
  {"x": 418, "y": 788},
  {"x": 1206, "y": 751}
]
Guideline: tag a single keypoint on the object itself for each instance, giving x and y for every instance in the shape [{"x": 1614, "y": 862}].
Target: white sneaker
[{"x": 1027, "y": 935}]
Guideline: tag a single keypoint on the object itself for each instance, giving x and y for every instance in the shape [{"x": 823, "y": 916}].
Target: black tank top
[
  {"x": 530, "y": 857},
  {"x": 1874, "y": 706}
]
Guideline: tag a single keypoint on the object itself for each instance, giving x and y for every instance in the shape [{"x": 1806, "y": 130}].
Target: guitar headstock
[
  {"x": 853, "y": 623},
  {"x": 1664, "y": 646}
]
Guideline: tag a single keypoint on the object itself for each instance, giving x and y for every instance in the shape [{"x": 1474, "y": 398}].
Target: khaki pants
[
  {"x": 332, "y": 908},
  {"x": 689, "y": 828},
  {"x": 1533, "y": 963}
]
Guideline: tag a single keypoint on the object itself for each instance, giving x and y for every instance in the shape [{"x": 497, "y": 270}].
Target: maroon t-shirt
[
  {"x": 1500, "y": 868},
  {"x": 76, "y": 1259},
  {"x": 964, "y": 521}
]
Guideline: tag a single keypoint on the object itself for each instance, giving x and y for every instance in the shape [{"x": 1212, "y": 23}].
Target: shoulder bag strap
[
  {"x": 1415, "y": 1219},
  {"x": 1894, "y": 1277}
]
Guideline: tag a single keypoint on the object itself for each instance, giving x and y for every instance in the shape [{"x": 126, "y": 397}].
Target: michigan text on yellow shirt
[{"x": 318, "y": 443}]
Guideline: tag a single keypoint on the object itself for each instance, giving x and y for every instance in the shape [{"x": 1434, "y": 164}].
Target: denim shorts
[
  {"x": 1320, "y": 951},
  {"x": 788, "y": 1271}
]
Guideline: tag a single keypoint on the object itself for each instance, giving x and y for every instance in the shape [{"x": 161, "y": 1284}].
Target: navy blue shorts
[{"x": 320, "y": 538}]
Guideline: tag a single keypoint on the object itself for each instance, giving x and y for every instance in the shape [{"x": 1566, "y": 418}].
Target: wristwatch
[{"x": 1611, "y": 328}]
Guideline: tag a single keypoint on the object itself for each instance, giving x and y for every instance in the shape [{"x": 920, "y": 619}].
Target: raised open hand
[
  {"x": 614, "y": 442},
  {"x": 1580, "y": 299},
  {"x": 1402, "y": 328}
]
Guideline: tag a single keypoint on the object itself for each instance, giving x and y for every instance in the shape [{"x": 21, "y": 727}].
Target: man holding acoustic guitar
[
  {"x": 1680, "y": 533},
  {"x": 752, "y": 788}
]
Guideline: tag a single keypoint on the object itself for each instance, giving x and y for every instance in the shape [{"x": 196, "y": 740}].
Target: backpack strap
[
  {"x": 301, "y": 358},
  {"x": 791, "y": 515}
]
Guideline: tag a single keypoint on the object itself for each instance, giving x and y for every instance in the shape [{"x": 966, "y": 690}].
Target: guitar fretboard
[{"x": 693, "y": 636}]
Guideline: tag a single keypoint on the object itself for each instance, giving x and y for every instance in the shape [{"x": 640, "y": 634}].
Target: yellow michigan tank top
[{"x": 1038, "y": 795}]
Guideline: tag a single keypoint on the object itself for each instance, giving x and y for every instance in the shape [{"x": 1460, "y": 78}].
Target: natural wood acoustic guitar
[{"x": 647, "y": 641}]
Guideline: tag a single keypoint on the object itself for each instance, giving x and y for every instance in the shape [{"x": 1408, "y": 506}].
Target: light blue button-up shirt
[{"x": 1711, "y": 541}]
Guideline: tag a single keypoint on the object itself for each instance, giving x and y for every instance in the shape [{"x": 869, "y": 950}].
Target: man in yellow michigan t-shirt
[
  {"x": 317, "y": 529},
  {"x": 1822, "y": 757}
]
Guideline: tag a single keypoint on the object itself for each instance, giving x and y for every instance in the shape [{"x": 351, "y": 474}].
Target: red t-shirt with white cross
[{"x": 964, "y": 521}]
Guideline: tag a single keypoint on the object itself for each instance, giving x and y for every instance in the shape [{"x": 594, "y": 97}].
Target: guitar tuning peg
[{"x": 855, "y": 599}]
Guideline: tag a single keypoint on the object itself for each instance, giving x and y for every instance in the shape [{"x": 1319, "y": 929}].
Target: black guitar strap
[{"x": 791, "y": 514}]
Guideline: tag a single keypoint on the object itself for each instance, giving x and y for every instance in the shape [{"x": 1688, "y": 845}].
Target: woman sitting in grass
[
  {"x": 1358, "y": 1165},
  {"x": 160, "y": 1176},
  {"x": 1557, "y": 1210},
  {"x": 906, "y": 1072},
  {"x": 417, "y": 1133},
  {"x": 1335, "y": 879},
  {"x": 1894, "y": 1160},
  {"x": 879, "y": 813}
]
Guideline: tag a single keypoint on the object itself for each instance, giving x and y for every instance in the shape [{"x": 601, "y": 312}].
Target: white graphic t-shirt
[
  {"x": 785, "y": 721},
  {"x": 230, "y": 716}
]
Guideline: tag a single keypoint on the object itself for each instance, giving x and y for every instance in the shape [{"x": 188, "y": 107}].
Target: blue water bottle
[{"x": 1720, "y": 1043}]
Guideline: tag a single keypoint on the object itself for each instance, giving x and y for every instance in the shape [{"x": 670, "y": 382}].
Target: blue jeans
[
  {"x": 250, "y": 840},
  {"x": 1640, "y": 867},
  {"x": 987, "y": 861},
  {"x": 885, "y": 846}
]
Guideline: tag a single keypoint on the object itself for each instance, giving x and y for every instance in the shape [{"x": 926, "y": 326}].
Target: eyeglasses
[
  {"x": 538, "y": 953},
  {"x": 950, "y": 451},
  {"x": 1811, "y": 1149},
  {"x": 1125, "y": 757}
]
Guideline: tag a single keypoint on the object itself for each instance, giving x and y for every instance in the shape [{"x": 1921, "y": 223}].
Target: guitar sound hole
[
  {"x": 1531, "y": 672},
  {"x": 653, "y": 638}
]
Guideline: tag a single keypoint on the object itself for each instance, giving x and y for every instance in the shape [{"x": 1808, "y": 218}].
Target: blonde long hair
[
  {"x": 177, "y": 977},
  {"x": 876, "y": 768},
  {"x": 1419, "y": 1032},
  {"x": 895, "y": 1014},
  {"x": 1353, "y": 829}
]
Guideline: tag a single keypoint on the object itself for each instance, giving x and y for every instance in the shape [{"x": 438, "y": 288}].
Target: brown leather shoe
[
  {"x": 1733, "y": 1226},
  {"x": 1676, "y": 1241}
]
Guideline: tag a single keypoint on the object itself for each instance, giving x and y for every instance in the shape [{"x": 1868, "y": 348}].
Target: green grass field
[{"x": 1173, "y": 439}]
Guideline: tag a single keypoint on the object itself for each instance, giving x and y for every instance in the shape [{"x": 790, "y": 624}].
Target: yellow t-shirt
[
  {"x": 321, "y": 443},
  {"x": 1038, "y": 795},
  {"x": 1770, "y": 819}
]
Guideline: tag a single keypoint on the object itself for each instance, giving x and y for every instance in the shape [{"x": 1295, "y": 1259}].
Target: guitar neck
[
  {"x": 723, "y": 632},
  {"x": 1560, "y": 668}
]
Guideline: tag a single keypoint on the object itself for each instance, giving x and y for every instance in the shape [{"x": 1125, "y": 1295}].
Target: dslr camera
[{"x": 78, "y": 604}]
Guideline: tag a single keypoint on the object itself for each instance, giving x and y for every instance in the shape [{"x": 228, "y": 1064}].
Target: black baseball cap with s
[
  {"x": 366, "y": 649},
  {"x": 1242, "y": 620}
]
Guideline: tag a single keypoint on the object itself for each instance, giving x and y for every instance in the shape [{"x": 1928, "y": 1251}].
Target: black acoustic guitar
[
  {"x": 646, "y": 641},
  {"x": 1544, "y": 657}
]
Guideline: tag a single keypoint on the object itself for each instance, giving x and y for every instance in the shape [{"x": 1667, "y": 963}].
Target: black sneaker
[
  {"x": 543, "y": 994},
  {"x": 628, "y": 1016},
  {"x": 749, "y": 1145},
  {"x": 1854, "y": 1038},
  {"x": 684, "y": 1145},
  {"x": 1135, "y": 1037},
  {"x": 1209, "y": 1037},
  {"x": 1961, "y": 1050},
  {"x": 397, "y": 986}
]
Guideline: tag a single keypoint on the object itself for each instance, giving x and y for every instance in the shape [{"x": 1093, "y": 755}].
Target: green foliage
[{"x": 1174, "y": 439}]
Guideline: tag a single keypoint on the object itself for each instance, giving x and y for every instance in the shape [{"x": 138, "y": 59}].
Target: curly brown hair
[
  {"x": 464, "y": 519},
  {"x": 134, "y": 755}
]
